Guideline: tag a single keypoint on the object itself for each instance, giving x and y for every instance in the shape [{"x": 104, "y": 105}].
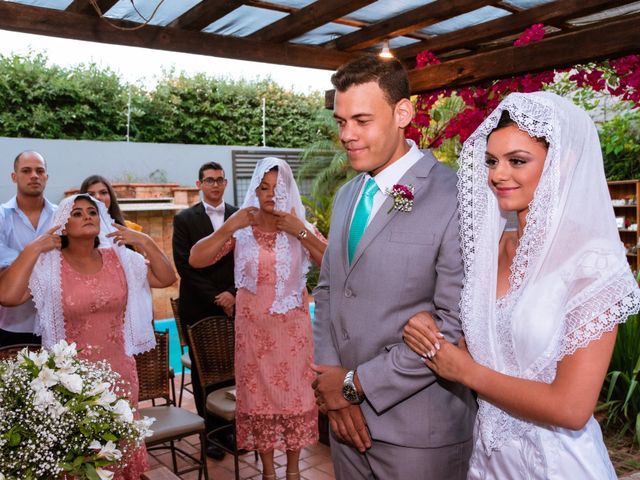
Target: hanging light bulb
[{"x": 385, "y": 52}]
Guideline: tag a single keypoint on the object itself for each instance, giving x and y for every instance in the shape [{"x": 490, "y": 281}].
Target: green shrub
[{"x": 621, "y": 392}]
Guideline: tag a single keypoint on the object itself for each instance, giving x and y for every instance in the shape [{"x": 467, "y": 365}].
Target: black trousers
[{"x": 8, "y": 338}]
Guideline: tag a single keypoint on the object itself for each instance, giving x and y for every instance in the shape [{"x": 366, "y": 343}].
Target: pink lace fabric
[
  {"x": 94, "y": 307},
  {"x": 275, "y": 406}
]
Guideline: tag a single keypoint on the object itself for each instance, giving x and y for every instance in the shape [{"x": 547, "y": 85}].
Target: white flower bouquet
[{"x": 61, "y": 416}]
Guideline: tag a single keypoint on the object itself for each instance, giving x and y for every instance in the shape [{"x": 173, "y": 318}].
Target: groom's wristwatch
[{"x": 349, "y": 391}]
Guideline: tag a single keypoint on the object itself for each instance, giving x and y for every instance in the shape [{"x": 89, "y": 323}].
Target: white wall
[{"x": 71, "y": 161}]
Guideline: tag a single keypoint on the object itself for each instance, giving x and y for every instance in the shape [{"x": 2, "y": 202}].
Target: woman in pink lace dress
[
  {"x": 273, "y": 246},
  {"x": 96, "y": 297}
]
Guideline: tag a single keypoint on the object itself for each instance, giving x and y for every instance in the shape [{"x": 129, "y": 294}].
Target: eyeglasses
[{"x": 214, "y": 181}]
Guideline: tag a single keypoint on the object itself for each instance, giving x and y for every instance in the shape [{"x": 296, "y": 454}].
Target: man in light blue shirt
[{"x": 22, "y": 219}]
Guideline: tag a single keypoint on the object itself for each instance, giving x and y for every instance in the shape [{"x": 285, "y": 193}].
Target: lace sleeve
[
  {"x": 600, "y": 313},
  {"x": 228, "y": 246}
]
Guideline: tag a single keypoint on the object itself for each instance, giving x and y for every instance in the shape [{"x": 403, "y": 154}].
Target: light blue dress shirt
[{"x": 16, "y": 232}]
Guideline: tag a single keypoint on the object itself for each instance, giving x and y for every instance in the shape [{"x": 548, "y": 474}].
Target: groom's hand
[
  {"x": 349, "y": 426},
  {"x": 327, "y": 387}
]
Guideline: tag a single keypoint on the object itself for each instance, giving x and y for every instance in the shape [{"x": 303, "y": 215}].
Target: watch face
[{"x": 350, "y": 394}]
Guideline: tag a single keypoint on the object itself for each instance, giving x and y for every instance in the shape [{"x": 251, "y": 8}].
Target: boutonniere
[{"x": 402, "y": 197}]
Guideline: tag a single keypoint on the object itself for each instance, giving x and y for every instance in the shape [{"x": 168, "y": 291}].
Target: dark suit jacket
[{"x": 199, "y": 286}]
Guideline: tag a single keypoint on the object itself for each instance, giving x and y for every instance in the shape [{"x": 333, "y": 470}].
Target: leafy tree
[
  {"x": 42, "y": 101},
  {"x": 620, "y": 140}
]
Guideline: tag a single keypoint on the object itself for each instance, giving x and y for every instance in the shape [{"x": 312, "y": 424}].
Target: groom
[{"x": 389, "y": 257}]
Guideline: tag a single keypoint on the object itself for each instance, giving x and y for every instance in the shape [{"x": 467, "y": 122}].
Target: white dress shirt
[
  {"x": 388, "y": 177},
  {"x": 216, "y": 214},
  {"x": 16, "y": 232}
]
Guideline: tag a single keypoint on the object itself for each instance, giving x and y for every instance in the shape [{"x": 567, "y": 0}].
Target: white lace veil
[
  {"x": 570, "y": 281},
  {"x": 292, "y": 259},
  {"x": 46, "y": 287}
]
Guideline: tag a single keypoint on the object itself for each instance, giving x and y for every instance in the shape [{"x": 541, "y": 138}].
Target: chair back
[
  {"x": 10, "y": 351},
  {"x": 153, "y": 370},
  {"x": 175, "y": 304},
  {"x": 212, "y": 347}
]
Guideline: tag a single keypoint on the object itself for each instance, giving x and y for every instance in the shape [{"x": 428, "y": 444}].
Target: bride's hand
[
  {"x": 451, "y": 362},
  {"x": 421, "y": 335}
]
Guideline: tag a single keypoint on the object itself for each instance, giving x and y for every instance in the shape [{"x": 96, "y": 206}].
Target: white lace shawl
[
  {"x": 292, "y": 259},
  {"x": 46, "y": 287},
  {"x": 570, "y": 281}
]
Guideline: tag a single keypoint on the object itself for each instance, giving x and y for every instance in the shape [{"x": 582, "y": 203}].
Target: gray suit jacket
[{"x": 406, "y": 262}]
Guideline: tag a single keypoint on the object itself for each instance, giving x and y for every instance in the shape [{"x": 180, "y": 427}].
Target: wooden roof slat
[
  {"x": 306, "y": 19},
  {"x": 617, "y": 37},
  {"x": 547, "y": 13},
  {"x": 84, "y": 6},
  {"x": 56, "y": 23},
  {"x": 406, "y": 22},
  {"x": 205, "y": 13}
]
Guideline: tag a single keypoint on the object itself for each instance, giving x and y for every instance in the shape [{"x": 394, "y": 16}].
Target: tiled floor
[{"x": 315, "y": 461}]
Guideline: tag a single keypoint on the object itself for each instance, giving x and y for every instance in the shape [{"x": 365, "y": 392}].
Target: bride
[{"x": 541, "y": 300}]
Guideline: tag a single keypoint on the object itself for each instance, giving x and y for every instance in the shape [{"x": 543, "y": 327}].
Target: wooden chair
[
  {"x": 10, "y": 351},
  {"x": 172, "y": 423},
  {"x": 212, "y": 346},
  {"x": 185, "y": 359}
]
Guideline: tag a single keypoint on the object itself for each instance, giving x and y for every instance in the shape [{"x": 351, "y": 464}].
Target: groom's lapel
[{"x": 415, "y": 176}]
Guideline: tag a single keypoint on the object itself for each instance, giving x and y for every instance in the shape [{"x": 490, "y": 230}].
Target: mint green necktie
[{"x": 361, "y": 216}]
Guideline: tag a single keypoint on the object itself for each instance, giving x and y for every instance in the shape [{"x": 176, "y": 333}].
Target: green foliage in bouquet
[
  {"x": 60, "y": 415},
  {"x": 621, "y": 391}
]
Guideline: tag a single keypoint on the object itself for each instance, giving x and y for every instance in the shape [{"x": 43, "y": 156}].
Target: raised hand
[
  {"x": 242, "y": 218},
  {"x": 421, "y": 335},
  {"x": 127, "y": 236},
  {"x": 47, "y": 241},
  {"x": 289, "y": 222}
]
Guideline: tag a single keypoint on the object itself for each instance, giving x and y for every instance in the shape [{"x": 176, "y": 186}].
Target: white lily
[
  {"x": 123, "y": 410},
  {"x": 72, "y": 382},
  {"x": 38, "y": 358},
  {"x": 46, "y": 378},
  {"x": 144, "y": 425},
  {"x": 64, "y": 353},
  {"x": 107, "y": 451},
  {"x": 104, "y": 474},
  {"x": 106, "y": 398},
  {"x": 98, "y": 389}
]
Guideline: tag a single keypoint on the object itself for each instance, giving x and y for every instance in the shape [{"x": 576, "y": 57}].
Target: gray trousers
[{"x": 384, "y": 461}]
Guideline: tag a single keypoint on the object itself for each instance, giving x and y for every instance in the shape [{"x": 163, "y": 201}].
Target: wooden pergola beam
[
  {"x": 85, "y": 6},
  {"x": 553, "y": 12},
  {"x": 205, "y": 13},
  {"x": 406, "y": 22},
  {"x": 41, "y": 21},
  {"x": 306, "y": 19},
  {"x": 611, "y": 39}
]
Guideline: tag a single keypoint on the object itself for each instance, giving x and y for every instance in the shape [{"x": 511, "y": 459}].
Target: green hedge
[{"x": 88, "y": 102}]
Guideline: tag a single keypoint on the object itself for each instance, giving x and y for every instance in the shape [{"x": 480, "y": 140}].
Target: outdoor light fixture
[{"x": 385, "y": 52}]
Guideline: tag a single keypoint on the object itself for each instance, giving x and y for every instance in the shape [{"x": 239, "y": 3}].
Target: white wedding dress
[
  {"x": 570, "y": 283},
  {"x": 538, "y": 452}
]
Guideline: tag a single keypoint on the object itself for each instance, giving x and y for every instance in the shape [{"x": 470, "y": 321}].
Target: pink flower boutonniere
[{"x": 402, "y": 197}]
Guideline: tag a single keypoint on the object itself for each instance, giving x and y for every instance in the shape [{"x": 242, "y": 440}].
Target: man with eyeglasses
[{"x": 210, "y": 290}]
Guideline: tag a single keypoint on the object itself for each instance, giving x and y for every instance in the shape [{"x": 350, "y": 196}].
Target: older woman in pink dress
[
  {"x": 98, "y": 298},
  {"x": 273, "y": 245}
]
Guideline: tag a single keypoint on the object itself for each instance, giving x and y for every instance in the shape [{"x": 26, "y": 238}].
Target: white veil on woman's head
[
  {"x": 45, "y": 284},
  {"x": 570, "y": 281},
  {"x": 292, "y": 259}
]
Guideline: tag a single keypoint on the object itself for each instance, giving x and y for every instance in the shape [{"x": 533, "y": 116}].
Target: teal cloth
[{"x": 361, "y": 217}]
